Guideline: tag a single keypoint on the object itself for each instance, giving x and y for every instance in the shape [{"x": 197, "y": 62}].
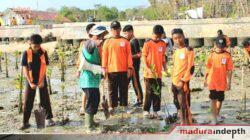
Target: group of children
[{"x": 117, "y": 59}]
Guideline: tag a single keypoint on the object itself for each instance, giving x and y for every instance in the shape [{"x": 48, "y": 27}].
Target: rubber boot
[
  {"x": 96, "y": 124},
  {"x": 89, "y": 121}
]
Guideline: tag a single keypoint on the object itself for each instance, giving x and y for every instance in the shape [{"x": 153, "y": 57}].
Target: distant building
[{"x": 28, "y": 16}]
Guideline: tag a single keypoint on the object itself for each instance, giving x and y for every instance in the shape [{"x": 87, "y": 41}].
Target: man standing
[
  {"x": 34, "y": 62},
  {"x": 118, "y": 65},
  {"x": 136, "y": 55},
  {"x": 88, "y": 28},
  {"x": 218, "y": 77},
  {"x": 91, "y": 75},
  {"x": 182, "y": 72},
  {"x": 228, "y": 43},
  {"x": 153, "y": 55}
]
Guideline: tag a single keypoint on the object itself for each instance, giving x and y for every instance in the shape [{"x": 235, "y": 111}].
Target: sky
[{"x": 83, "y": 4}]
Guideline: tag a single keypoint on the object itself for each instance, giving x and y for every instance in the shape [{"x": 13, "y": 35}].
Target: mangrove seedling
[
  {"x": 48, "y": 75},
  {"x": 19, "y": 82},
  {"x": 6, "y": 65},
  {"x": 1, "y": 54},
  {"x": 62, "y": 64},
  {"x": 200, "y": 60},
  {"x": 16, "y": 54}
]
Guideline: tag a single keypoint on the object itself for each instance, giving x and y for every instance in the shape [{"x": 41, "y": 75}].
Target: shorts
[
  {"x": 214, "y": 95},
  {"x": 93, "y": 100}
]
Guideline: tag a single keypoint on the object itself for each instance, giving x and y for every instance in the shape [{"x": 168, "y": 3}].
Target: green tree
[{"x": 107, "y": 14}]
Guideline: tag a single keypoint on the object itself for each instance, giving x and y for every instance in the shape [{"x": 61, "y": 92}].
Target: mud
[{"x": 66, "y": 106}]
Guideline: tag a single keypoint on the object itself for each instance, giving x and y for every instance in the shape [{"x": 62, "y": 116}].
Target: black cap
[
  {"x": 221, "y": 42},
  {"x": 158, "y": 29},
  {"x": 177, "y": 31},
  {"x": 115, "y": 24}
]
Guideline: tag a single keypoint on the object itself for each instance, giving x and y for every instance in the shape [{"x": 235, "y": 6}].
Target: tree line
[{"x": 159, "y": 10}]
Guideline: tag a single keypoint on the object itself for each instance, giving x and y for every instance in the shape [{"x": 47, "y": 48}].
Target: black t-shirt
[
  {"x": 135, "y": 48},
  {"x": 36, "y": 63}
]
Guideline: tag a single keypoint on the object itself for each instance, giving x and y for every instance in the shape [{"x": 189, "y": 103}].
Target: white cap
[{"x": 97, "y": 30}]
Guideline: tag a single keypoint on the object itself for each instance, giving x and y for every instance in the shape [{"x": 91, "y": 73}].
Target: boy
[
  {"x": 218, "y": 77},
  {"x": 153, "y": 55},
  {"x": 182, "y": 71},
  {"x": 246, "y": 45},
  {"x": 136, "y": 55},
  {"x": 221, "y": 34},
  {"x": 118, "y": 65},
  {"x": 34, "y": 62},
  {"x": 88, "y": 28},
  {"x": 91, "y": 75}
]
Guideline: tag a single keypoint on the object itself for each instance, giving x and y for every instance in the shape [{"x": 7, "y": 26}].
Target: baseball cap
[
  {"x": 221, "y": 42},
  {"x": 115, "y": 24},
  {"x": 97, "y": 30}
]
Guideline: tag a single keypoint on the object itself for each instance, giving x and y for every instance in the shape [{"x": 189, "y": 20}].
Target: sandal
[
  {"x": 148, "y": 116},
  {"x": 158, "y": 117},
  {"x": 50, "y": 122}
]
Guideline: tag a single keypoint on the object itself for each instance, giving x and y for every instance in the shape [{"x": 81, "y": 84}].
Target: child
[
  {"x": 246, "y": 45},
  {"x": 34, "y": 62},
  {"x": 218, "y": 77},
  {"x": 91, "y": 73},
  {"x": 88, "y": 28},
  {"x": 136, "y": 55},
  {"x": 182, "y": 71},
  {"x": 118, "y": 65},
  {"x": 153, "y": 55}
]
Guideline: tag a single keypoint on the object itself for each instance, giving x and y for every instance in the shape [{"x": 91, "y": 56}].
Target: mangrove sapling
[
  {"x": 19, "y": 82},
  {"x": 1, "y": 54},
  {"x": 156, "y": 89},
  {"x": 63, "y": 102},
  {"x": 243, "y": 93},
  {"x": 62, "y": 64},
  {"x": 48, "y": 75},
  {"x": 200, "y": 61},
  {"x": 6, "y": 64},
  {"x": 16, "y": 54}
]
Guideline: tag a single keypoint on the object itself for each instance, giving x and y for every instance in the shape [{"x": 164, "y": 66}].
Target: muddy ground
[{"x": 70, "y": 102}]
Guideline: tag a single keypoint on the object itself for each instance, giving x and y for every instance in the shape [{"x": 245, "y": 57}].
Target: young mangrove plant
[
  {"x": 16, "y": 54},
  {"x": 48, "y": 77},
  {"x": 1, "y": 54},
  {"x": 6, "y": 64},
  {"x": 61, "y": 54},
  {"x": 19, "y": 82}
]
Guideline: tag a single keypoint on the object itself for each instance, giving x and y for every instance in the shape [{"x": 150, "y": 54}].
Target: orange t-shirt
[
  {"x": 29, "y": 21},
  {"x": 183, "y": 62},
  {"x": 227, "y": 40},
  {"x": 154, "y": 53},
  {"x": 217, "y": 66},
  {"x": 248, "y": 49},
  {"x": 116, "y": 55}
]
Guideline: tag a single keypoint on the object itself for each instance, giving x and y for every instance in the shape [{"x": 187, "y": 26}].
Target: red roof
[{"x": 41, "y": 15}]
